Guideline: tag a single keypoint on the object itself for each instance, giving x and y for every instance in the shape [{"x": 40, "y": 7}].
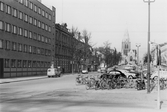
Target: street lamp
[
  {"x": 148, "y": 54},
  {"x": 158, "y": 83},
  {"x": 138, "y": 45}
]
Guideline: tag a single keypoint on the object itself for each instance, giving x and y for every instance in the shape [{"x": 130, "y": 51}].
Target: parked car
[
  {"x": 84, "y": 71},
  {"x": 128, "y": 74},
  {"x": 98, "y": 70},
  {"x": 117, "y": 73},
  {"x": 53, "y": 72},
  {"x": 103, "y": 70},
  {"x": 163, "y": 74}
]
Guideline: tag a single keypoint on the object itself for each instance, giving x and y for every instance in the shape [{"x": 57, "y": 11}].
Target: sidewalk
[
  {"x": 26, "y": 78},
  {"x": 17, "y": 79}
]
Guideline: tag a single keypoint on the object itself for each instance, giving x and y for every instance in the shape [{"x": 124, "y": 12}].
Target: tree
[
  {"x": 145, "y": 58},
  {"x": 111, "y": 56},
  {"x": 87, "y": 47}
]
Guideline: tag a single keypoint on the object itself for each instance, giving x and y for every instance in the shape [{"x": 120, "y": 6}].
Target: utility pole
[
  {"x": 138, "y": 45},
  {"x": 148, "y": 54}
]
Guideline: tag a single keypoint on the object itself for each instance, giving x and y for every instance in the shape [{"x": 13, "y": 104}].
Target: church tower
[{"x": 126, "y": 44}]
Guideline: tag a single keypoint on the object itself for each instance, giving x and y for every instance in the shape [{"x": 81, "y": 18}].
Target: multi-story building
[
  {"x": 63, "y": 54},
  {"x": 27, "y": 33}
]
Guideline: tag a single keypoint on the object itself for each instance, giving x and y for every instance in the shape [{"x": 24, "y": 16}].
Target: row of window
[
  {"x": 13, "y": 63},
  {"x": 23, "y": 32},
  {"x": 8, "y": 45},
  {"x": 25, "y": 17},
  {"x": 35, "y": 8}
]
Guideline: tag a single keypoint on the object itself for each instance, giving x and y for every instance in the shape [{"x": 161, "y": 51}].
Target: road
[{"x": 63, "y": 95}]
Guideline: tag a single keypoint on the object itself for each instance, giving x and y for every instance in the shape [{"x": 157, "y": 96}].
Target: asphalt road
[{"x": 63, "y": 95}]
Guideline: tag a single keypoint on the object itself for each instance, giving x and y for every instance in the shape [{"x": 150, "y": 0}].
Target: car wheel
[
  {"x": 155, "y": 78},
  {"x": 130, "y": 77}
]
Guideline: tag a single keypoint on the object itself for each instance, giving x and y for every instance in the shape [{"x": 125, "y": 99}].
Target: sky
[{"x": 108, "y": 20}]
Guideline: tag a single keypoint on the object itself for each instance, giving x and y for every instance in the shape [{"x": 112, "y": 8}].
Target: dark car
[
  {"x": 113, "y": 74},
  {"x": 117, "y": 73}
]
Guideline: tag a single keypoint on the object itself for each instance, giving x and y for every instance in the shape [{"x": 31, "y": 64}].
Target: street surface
[{"x": 63, "y": 95}]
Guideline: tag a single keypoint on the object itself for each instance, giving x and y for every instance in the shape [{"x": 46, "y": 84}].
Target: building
[
  {"x": 27, "y": 36},
  {"x": 129, "y": 56},
  {"x": 63, "y": 40}
]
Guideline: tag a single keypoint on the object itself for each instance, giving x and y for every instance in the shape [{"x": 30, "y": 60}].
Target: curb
[
  {"x": 32, "y": 78},
  {"x": 19, "y": 80}
]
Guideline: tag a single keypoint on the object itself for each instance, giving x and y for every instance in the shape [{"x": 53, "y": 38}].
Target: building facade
[
  {"x": 63, "y": 40},
  {"x": 129, "y": 56},
  {"x": 27, "y": 36}
]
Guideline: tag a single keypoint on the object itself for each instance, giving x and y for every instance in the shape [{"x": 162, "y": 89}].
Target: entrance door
[{"x": 1, "y": 68}]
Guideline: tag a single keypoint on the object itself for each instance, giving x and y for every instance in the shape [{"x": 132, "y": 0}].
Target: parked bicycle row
[{"x": 108, "y": 81}]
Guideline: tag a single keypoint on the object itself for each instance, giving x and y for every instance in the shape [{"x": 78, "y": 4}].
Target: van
[{"x": 53, "y": 72}]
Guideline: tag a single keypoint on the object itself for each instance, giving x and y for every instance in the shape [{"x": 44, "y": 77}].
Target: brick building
[{"x": 27, "y": 33}]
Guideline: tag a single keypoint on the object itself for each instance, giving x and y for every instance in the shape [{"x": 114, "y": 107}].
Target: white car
[
  {"x": 53, "y": 72},
  {"x": 163, "y": 74},
  {"x": 84, "y": 71}
]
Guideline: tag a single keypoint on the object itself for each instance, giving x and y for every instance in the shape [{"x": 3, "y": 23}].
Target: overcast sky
[{"x": 108, "y": 20}]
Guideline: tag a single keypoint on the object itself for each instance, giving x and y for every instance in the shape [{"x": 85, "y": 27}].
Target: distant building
[{"x": 129, "y": 56}]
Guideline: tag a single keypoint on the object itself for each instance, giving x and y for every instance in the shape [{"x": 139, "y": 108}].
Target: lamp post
[
  {"x": 158, "y": 83},
  {"x": 138, "y": 45},
  {"x": 148, "y": 54}
]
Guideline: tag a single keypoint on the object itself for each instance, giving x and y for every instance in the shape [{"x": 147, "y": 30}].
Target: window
[
  {"x": 42, "y": 38},
  {"x": 1, "y": 6},
  {"x": 13, "y": 63},
  {"x": 29, "y": 64},
  {"x": 34, "y": 64},
  {"x": 1, "y": 46},
  {"x": 26, "y": 3},
  {"x": 49, "y": 29},
  {"x": 34, "y": 50},
  {"x": 46, "y": 15},
  {"x": 8, "y": 27},
  {"x": 30, "y": 20},
  {"x": 20, "y": 31},
  {"x": 14, "y": 29},
  {"x": 38, "y": 50},
  {"x": 24, "y": 63},
  {"x": 39, "y": 24},
  {"x": 14, "y": 46},
  {"x": 19, "y": 65},
  {"x": 20, "y": 15},
  {"x": 49, "y": 17},
  {"x": 39, "y": 10},
  {"x": 19, "y": 47},
  {"x": 8, "y": 9},
  {"x": 35, "y": 22},
  {"x": 43, "y": 13},
  {"x": 25, "y": 48},
  {"x": 35, "y": 36},
  {"x": 26, "y": 17},
  {"x": 39, "y": 37},
  {"x": 7, "y": 45},
  {"x": 30, "y": 34},
  {"x": 31, "y": 5},
  {"x": 21, "y": 1},
  {"x": 14, "y": 12},
  {"x": 30, "y": 49},
  {"x": 35, "y": 8},
  {"x": 1, "y": 25},
  {"x": 46, "y": 27},
  {"x": 42, "y": 24},
  {"x": 7, "y": 63},
  {"x": 46, "y": 40},
  {"x": 25, "y": 33}
]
